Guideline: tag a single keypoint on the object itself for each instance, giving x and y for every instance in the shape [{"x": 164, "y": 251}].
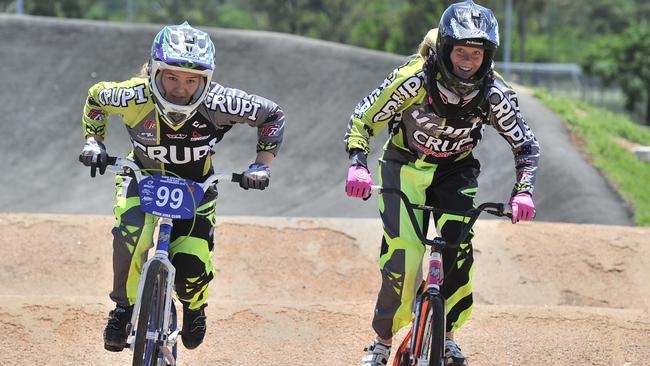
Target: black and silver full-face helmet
[{"x": 471, "y": 25}]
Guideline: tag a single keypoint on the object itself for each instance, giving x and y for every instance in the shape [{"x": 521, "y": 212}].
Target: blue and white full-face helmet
[{"x": 180, "y": 48}]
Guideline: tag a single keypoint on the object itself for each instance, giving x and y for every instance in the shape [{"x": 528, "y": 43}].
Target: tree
[
  {"x": 526, "y": 11},
  {"x": 624, "y": 59},
  {"x": 418, "y": 17}
]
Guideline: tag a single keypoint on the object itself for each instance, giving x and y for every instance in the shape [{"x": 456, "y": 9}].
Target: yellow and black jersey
[
  {"x": 184, "y": 149},
  {"x": 417, "y": 134}
]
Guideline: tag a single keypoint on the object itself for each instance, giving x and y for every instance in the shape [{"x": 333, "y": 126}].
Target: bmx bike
[
  {"x": 425, "y": 342},
  {"x": 153, "y": 331}
]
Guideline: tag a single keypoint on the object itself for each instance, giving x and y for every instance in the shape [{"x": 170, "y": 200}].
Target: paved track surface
[{"x": 49, "y": 64}]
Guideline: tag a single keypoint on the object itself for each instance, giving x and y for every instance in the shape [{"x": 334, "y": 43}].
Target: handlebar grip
[
  {"x": 507, "y": 210},
  {"x": 504, "y": 210},
  {"x": 499, "y": 209},
  {"x": 223, "y": 177}
]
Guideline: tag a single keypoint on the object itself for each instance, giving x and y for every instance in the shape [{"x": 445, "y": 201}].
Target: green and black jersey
[
  {"x": 418, "y": 135},
  {"x": 184, "y": 149}
]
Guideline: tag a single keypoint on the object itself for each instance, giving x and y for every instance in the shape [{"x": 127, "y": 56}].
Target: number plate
[{"x": 169, "y": 197}]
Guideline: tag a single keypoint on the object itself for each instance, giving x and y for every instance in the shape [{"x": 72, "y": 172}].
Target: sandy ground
[{"x": 301, "y": 292}]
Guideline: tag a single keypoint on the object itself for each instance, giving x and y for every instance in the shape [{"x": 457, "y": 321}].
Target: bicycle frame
[
  {"x": 167, "y": 341},
  {"x": 416, "y": 339}
]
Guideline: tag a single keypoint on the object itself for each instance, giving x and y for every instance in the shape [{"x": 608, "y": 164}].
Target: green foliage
[
  {"x": 230, "y": 16},
  {"x": 372, "y": 23},
  {"x": 416, "y": 18},
  {"x": 543, "y": 30},
  {"x": 600, "y": 131},
  {"x": 623, "y": 58}
]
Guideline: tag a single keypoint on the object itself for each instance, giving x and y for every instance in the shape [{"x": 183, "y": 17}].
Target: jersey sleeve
[
  {"x": 399, "y": 90},
  {"x": 229, "y": 106},
  {"x": 128, "y": 99},
  {"x": 508, "y": 121}
]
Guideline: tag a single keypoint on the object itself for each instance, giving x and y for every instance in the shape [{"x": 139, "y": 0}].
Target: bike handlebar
[
  {"x": 493, "y": 208},
  {"x": 121, "y": 165}
]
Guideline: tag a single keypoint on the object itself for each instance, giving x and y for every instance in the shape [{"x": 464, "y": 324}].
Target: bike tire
[
  {"x": 429, "y": 331},
  {"x": 173, "y": 325},
  {"x": 438, "y": 328},
  {"x": 146, "y": 352}
]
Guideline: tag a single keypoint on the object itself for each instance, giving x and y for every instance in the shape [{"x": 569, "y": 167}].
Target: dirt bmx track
[{"x": 301, "y": 292}]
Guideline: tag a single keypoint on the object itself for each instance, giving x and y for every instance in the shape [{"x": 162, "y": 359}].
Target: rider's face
[
  {"x": 179, "y": 86},
  {"x": 466, "y": 60}
]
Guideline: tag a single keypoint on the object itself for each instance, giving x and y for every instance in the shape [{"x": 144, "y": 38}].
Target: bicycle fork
[{"x": 162, "y": 256}]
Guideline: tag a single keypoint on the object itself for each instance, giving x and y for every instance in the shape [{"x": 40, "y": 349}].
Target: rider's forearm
[
  {"x": 264, "y": 157},
  {"x": 526, "y": 162}
]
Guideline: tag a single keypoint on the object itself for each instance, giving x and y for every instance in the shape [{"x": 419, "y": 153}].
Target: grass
[{"x": 600, "y": 133}]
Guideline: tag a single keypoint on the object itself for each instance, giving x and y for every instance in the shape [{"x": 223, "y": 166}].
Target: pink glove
[
  {"x": 359, "y": 182},
  {"x": 523, "y": 207}
]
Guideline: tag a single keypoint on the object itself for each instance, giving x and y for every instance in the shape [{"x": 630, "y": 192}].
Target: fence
[{"x": 569, "y": 80}]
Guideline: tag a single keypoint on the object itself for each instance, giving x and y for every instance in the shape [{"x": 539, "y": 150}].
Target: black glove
[
  {"x": 256, "y": 177},
  {"x": 94, "y": 155}
]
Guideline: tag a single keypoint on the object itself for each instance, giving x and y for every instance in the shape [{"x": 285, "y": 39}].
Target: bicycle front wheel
[
  {"x": 438, "y": 327},
  {"x": 430, "y": 332},
  {"x": 146, "y": 351}
]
